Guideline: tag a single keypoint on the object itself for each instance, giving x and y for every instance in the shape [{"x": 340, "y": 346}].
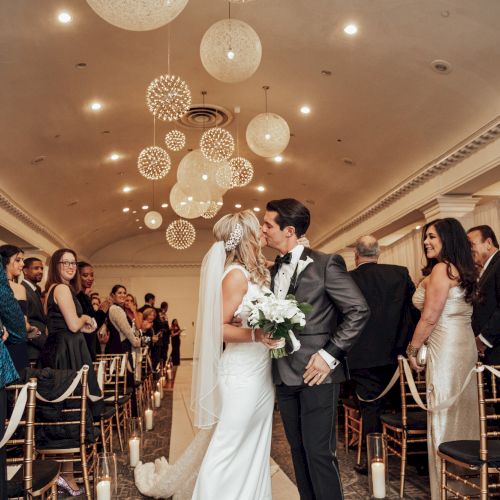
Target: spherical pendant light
[
  {"x": 138, "y": 15},
  {"x": 267, "y": 135},
  {"x": 153, "y": 163},
  {"x": 241, "y": 171},
  {"x": 168, "y": 97},
  {"x": 231, "y": 50},
  {"x": 180, "y": 234},
  {"x": 217, "y": 144},
  {"x": 175, "y": 140},
  {"x": 153, "y": 219},
  {"x": 190, "y": 204},
  {"x": 213, "y": 209},
  {"x": 224, "y": 176}
]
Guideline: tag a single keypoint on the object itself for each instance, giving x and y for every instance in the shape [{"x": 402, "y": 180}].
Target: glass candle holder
[
  {"x": 106, "y": 484},
  {"x": 159, "y": 387},
  {"x": 135, "y": 441},
  {"x": 378, "y": 477},
  {"x": 148, "y": 416},
  {"x": 157, "y": 398}
]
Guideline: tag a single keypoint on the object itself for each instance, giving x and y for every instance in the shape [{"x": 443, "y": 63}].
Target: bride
[{"x": 232, "y": 395}]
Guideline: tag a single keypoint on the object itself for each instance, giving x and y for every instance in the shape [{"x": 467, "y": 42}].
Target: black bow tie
[{"x": 286, "y": 259}]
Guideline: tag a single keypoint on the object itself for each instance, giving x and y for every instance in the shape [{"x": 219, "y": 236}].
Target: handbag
[
  {"x": 422, "y": 355},
  {"x": 103, "y": 334}
]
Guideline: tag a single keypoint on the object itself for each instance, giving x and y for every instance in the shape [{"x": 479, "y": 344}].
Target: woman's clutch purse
[{"x": 422, "y": 355}]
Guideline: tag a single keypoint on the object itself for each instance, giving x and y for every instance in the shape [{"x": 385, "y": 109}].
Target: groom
[{"x": 308, "y": 380}]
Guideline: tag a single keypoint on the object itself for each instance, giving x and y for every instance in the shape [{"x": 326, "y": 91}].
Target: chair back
[
  {"x": 408, "y": 402},
  {"x": 23, "y": 398}
]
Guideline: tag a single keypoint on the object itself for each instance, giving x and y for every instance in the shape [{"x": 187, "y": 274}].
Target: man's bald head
[{"x": 366, "y": 249}]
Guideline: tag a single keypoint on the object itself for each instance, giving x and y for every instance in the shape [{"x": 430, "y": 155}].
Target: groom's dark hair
[{"x": 291, "y": 213}]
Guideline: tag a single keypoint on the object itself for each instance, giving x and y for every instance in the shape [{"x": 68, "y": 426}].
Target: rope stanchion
[
  {"x": 68, "y": 391},
  {"x": 390, "y": 385},
  {"x": 17, "y": 415}
]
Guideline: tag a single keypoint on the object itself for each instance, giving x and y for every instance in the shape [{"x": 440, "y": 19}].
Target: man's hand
[
  {"x": 316, "y": 370},
  {"x": 481, "y": 347}
]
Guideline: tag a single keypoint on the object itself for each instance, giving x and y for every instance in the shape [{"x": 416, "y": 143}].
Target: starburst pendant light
[
  {"x": 241, "y": 171},
  {"x": 138, "y": 15},
  {"x": 175, "y": 140},
  {"x": 153, "y": 220},
  {"x": 268, "y": 133},
  {"x": 230, "y": 50},
  {"x": 224, "y": 176},
  {"x": 217, "y": 144},
  {"x": 168, "y": 97},
  {"x": 153, "y": 163},
  {"x": 213, "y": 209},
  {"x": 180, "y": 234}
]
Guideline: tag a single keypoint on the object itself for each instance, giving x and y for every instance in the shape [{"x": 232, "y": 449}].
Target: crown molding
[
  {"x": 475, "y": 142},
  {"x": 138, "y": 265}
]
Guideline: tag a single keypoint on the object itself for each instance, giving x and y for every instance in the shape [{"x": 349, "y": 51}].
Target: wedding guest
[
  {"x": 445, "y": 298},
  {"x": 13, "y": 320},
  {"x": 66, "y": 348},
  {"x": 486, "y": 314},
  {"x": 163, "y": 328},
  {"x": 176, "y": 342},
  {"x": 388, "y": 290},
  {"x": 96, "y": 302},
  {"x": 86, "y": 272},
  {"x": 33, "y": 275},
  {"x": 130, "y": 307},
  {"x": 150, "y": 315},
  {"x": 149, "y": 301}
]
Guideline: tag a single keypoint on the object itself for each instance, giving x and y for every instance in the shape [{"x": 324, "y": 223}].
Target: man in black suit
[
  {"x": 33, "y": 275},
  {"x": 486, "y": 313},
  {"x": 307, "y": 381},
  {"x": 388, "y": 289}
]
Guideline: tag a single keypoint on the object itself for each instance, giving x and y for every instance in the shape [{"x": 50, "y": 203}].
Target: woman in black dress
[
  {"x": 66, "y": 348},
  {"x": 176, "y": 342}
]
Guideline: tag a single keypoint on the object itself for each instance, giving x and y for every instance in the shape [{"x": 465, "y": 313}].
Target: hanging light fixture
[
  {"x": 213, "y": 209},
  {"x": 230, "y": 50},
  {"x": 268, "y": 133},
  {"x": 217, "y": 144},
  {"x": 138, "y": 16},
  {"x": 180, "y": 234},
  {"x": 153, "y": 163},
  {"x": 168, "y": 97},
  {"x": 241, "y": 171},
  {"x": 190, "y": 204},
  {"x": 175, "y": 140},
  {"x": 224, "y": 176},
  {"x": 153, "y": 220}
]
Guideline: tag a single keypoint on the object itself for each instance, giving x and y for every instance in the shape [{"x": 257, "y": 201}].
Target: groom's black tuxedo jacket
[
  {"x": 339, "y": 314},
  {"x": 486, "y": 315}
]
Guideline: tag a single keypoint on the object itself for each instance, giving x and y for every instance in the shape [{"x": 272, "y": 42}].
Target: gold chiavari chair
[
  {"x": 33, "y": 478},
  {"x": 82, "y": 450},
  {"x": 353, "y": 425},
  {"x": 476, "y": 457},
  {"x": 407, "y": 428},
  {"x": 104, "y": 421}
]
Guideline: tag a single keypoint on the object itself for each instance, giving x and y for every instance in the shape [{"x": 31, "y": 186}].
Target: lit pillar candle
[
  {"x": 148, "y": 417},
  {"x": 159, "y": 387},
  {"x": 157, "y": 399},
  {"x": 104, "y": 490},
  {"x": 378, "y": 479},
  {"x": 134, "y": 445}
]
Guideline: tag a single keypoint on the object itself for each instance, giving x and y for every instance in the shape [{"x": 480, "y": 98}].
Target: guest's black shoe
[{"x": 361, "y": 469}]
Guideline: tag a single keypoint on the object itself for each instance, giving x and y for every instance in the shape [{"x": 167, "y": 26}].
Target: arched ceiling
[{"x": 383, "y": 106}]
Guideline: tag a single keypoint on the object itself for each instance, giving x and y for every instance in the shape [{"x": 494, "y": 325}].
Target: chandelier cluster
[{"x": 180, "y": 234}]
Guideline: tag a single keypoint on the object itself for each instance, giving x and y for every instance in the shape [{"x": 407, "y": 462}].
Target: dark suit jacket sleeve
[
  {"x": 491, "y": 330},
  {"x": 349, "y": 300}
]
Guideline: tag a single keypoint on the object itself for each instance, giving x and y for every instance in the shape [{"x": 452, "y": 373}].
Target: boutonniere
[{"x": 302, "y": 264}]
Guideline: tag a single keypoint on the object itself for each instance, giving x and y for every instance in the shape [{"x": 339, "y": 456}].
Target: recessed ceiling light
[
  {"x": 95, "y": 106},
  {"x": 351, "y": 29},
  {"x": 261, "y": 188},
  {"x": 126, "y": 209},
  {"x": 256, "y": 209},
  {"x": 305, "y": 110},
  {"x": 64, "y": 17},
  {"x": 164, "y": 205},
  {"x": 220, "y": 203},
  {"x": 134, "y": 211},
  {"x": 238, "y": 205},
  {"x": 418, "y": 227},
  {"x": 126, "y": 189},
  {"x": 278, "y": 159},
  {"x": 140, "y": 227},
  {"x": 114, "y": 156},
  {"x": 145, "y": 207}
]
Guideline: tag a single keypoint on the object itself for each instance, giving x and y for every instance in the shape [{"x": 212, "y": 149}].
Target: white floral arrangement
[{"x": 280, "y": 318}]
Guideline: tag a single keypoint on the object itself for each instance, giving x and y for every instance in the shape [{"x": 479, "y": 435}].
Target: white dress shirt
[
  {"x": 282, "y": 284},
  {"x": 481, "y": 338},
  {"x": 31, "y": 285}
]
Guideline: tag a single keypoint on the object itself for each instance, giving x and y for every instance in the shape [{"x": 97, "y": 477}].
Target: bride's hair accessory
[{"x": 234, "y": 238}]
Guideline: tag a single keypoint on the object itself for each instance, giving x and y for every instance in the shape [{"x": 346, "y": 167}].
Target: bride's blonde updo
[{"x": 244, "y": 250}]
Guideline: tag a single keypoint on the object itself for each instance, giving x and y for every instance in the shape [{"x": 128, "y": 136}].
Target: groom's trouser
[{"x": 309, "y": 415}]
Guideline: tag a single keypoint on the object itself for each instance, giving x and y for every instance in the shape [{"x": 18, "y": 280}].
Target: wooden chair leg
[
  {"x": 118, "y": 426},
  {"x": 360, "y": 440},
  {"x": 484, "y": 482},
  {"x": 443, "y": 479},
  {"x": 85, "y": 473},
  {"x": 103, "y": 437},
  {"x": 346, "y": 431},
  {"x": 53, "y": 492},
  {"x": 403, "y": 465}
]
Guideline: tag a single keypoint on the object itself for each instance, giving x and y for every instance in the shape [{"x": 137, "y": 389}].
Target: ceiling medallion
[
  {"x": 180, "y": 234},
  {"x": 175, "y": 140},
  {"x": 217, "y": 144},
  {"x": 168, "y": 97},
  {"x": 153, "y": 163}
]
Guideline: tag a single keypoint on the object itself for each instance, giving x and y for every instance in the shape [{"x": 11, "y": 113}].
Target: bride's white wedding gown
[{"x": 236, "y": 463}]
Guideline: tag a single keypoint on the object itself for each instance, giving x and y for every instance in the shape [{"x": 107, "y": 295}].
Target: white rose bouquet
[{"x": 280, "y": 318}]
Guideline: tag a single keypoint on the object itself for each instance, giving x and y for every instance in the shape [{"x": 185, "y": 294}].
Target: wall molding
[
  {"x": 469, "y": 146},
  {"x": 139, "y": 265}
]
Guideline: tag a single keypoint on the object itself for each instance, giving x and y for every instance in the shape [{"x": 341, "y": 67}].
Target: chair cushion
[
  {"x": 351, "y": 404},
  {"x": 415, "y": 420},
  {"x": 107, "y": 412},
  {"x": 44, "y": 472},
  {"x": 121, "y": 400},
  {"x": 468, "y": 451}
]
